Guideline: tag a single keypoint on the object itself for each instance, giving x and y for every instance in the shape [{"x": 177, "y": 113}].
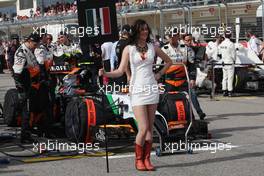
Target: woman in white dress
[{"x": 143, "y": 87}]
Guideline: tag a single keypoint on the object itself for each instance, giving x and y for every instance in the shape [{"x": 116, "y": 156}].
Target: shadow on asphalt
[
  {"x": 221, "y": 133},
  {"x": 214, "y": 160},
  {"x": 223, "y": 116},
  {"x": 219, "y": 136},
  {"x": 236, "y": 129}
]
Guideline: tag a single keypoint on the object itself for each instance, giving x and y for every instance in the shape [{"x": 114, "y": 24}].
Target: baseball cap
[
  {"x": 33, "y": 37},
  {"x": 126, "y": 28}
]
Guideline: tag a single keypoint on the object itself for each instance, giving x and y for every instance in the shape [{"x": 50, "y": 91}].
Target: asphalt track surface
[{"x": 237, "y": 122}]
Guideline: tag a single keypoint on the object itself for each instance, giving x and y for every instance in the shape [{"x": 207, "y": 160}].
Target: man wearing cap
[
  {"x": 181, "y": 54},
  {"x": 26, "y": 75},
  {"x": 173, "y": 50}
]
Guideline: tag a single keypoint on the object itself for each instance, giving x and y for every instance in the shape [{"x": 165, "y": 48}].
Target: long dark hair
[{"x": 136, "y": 28}]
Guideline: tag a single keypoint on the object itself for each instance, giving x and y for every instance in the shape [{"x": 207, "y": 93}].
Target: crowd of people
[
  {"x": 59, "y": 9},
  {"x": 134, "y": 4},
  {"x": 6, "y": 17},
  {"x": 71, "y": 8},
  {"x": 52, "y": 10}
]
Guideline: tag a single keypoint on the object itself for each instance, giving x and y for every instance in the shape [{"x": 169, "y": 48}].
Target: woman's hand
[
  {"x": 101, "y": 72},
  {"x": 166, "y": 59}
]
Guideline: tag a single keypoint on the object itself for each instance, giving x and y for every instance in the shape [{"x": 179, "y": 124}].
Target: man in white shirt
[
  {"x": 113, "y": 57},
  {"x": 106, "y": 54},
  {"x": 181, "y": 54},
  {"x": 212, "y": 48},
  {"x": 227, "y": 53}
]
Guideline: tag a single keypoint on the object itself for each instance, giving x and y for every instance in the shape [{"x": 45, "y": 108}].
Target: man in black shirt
[{"x": 120, "y": 46}]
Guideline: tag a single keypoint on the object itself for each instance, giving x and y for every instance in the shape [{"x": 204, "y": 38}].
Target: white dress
[{"x": 143, "y": 87}]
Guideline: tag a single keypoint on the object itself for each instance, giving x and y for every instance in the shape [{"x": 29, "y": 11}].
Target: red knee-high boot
[
  {"x": 139, "y": 160},
  {"x": 147, "y": 151}
]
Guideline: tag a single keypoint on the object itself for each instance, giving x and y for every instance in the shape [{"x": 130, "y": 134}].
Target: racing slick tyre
[
  {"x": 1, "y": 111},
  {"x": 82, "y": 114},
  {"x": 75, "y": 120},
  {"x": 240, "y": 78},
  {"x": 11, "y": 108}
]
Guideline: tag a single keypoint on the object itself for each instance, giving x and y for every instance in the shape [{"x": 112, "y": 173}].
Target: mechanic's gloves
[
  {"x": 19, "y": 83},
  {"x": 22, "y": 96}
]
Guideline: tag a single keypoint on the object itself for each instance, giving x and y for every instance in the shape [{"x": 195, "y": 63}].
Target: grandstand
[{"x": 159, "y": 14}]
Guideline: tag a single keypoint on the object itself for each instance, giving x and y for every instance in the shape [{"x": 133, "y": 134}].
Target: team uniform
[
  {"x": 227, "y": 52},
  {"x": 27, "y": 78},
  {"x": 44, "y": 56},
  {"x": 212, "y": 51},
  {"x": 180, "y": 54},
  {"x": 254, "y": 45}
]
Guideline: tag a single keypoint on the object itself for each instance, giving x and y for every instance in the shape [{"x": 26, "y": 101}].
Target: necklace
[{"x": 142, "y": 51}]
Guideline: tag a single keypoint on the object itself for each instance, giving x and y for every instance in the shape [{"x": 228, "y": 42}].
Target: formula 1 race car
[
  {"x": 249, "y": 71},
  {"x": 82, "y": 109}
]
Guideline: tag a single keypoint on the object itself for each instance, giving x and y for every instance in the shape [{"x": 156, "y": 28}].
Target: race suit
[
  {"x": 183, "y": 55},
  {"x": 44, "y": 57},
  {"x": 27, "y": 76},
  {"x": 176, "y": 75},
  {"x": 227, "y": 52},
  {"x": 64, "y": 54},
  {"x": 212, "y": 51}
]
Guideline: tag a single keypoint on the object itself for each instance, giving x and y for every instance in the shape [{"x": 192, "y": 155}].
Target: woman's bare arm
[
  {"x": 166, "y": 59},
  {"x": 128, "y": 74}
]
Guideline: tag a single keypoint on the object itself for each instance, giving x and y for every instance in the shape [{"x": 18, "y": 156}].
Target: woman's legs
[
  {"x": 141, "y": 115},
  {"x": 151, "y": 109},
  {"x": 142, "y": 121}
]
